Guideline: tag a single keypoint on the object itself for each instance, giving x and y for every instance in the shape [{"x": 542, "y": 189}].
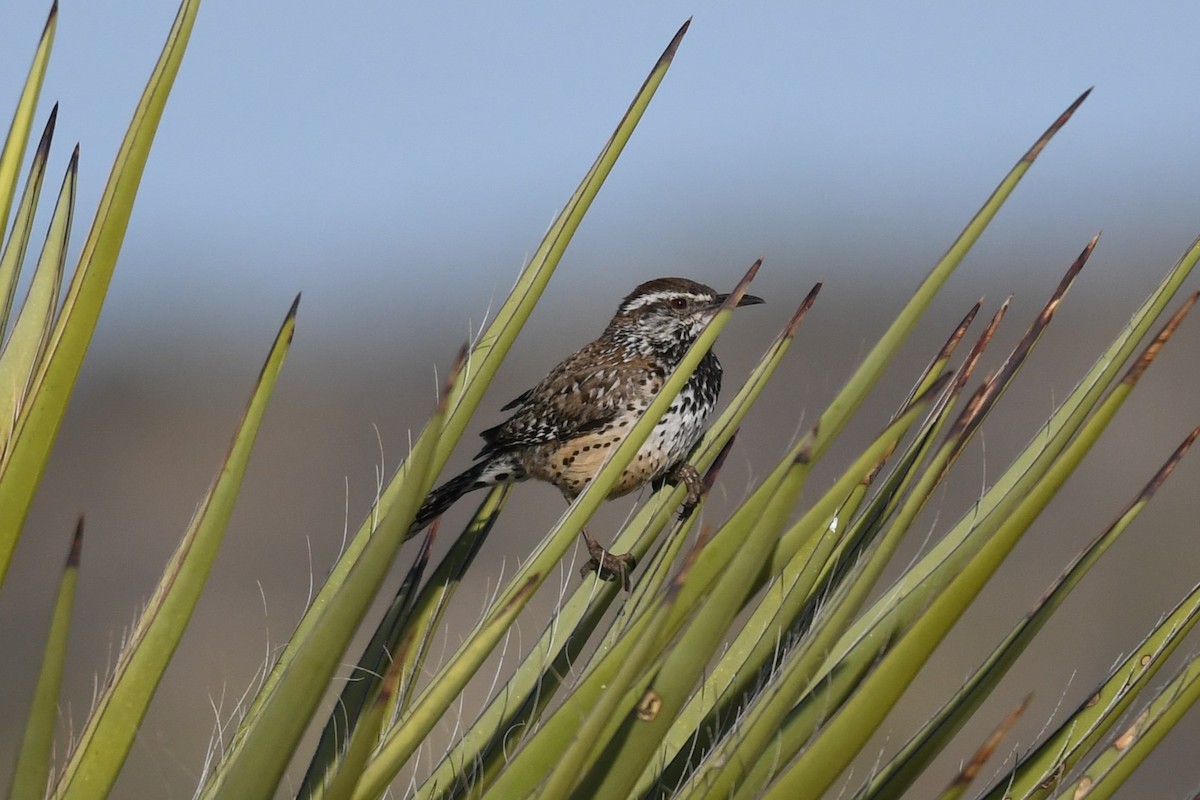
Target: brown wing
[{"x": 579, "y": 395}]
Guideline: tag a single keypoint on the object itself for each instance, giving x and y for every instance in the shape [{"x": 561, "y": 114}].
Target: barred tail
[{"x": 489, "y": 472}]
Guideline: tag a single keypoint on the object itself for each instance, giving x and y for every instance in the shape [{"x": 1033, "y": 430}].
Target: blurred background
[{"x": 399, "y": 162}]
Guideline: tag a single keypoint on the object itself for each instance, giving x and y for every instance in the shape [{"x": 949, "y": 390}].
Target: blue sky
[{"x": 357, "y": 151}]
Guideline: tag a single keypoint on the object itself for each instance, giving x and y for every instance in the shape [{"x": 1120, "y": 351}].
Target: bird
[{"x": 562, "y": 429}]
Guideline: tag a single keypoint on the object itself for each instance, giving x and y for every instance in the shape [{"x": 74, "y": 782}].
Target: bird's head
[{"x": 670, "y": 313}]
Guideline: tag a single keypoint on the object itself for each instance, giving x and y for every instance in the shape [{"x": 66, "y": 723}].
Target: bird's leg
[{"x": 607, "y": 566}]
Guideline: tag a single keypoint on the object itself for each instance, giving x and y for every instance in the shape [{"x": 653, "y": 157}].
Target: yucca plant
[{"x": 746, "y": 661}]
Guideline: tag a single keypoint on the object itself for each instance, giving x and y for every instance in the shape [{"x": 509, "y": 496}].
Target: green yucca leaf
[
  {"x": 482, "y": 361},
  {"x": 1033, "y": 461},
  {"x": 620, "y": 757},
  {"x": 24, "y": 460},
  {"x": 835, "y": 553},
  {"x": 431, "y": 604},
  {"x": 32, "y": 770},
  {"x": 839, "y": 411},
  {"x": 283, "y": 710},
  {"x": 819, "y": 764},
  {"x": 405, "y": 738},
  {"x": 892, "y": 779},
  {"x": 582, "y": 752},
  {"x": 362, "y": 742},
  {"x": 412, "y": 616},
  {"x": 884, "y": 620},
  {"x": 838, "y": 554},
  {"x": 359, "y": 693},
  {"x": 973, "y": 416},
  {"x": 532, "y": 686},
  {"x": 22, "y": 229},
  {"x": 843, "y": 675},
  {"x": 885, "y": 541},
  {"x": 111, "y": 728},
  {"x": 26, "y": 344},
  {"x": 941, "y": 361},
  {"x": 729, "y": 683},
  {"x": 1103, "y": 776},
  {"x": 722, "y": 769},
  {"x": 1040, "y": 773},
  {"x": 654, "y": 576},
  {"x": 22, "y": 122},
  {"x": 722, "y": 556}
]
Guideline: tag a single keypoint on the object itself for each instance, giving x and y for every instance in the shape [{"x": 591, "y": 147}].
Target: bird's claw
[
  {"x": 689, "y": 476},
  {"x": 608, "y": 567}
]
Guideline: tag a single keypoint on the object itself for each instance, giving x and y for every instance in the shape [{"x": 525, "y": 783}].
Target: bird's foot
[
  {"x": 607, "y": 566},
  {"x": 689, "y": 476}
]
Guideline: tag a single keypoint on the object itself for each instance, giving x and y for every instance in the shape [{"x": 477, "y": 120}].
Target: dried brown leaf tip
[
  {"x": 972, "y": 360},
  {"x": 663, "y": 61},
  {"x": 1060, "y": 291},
  {"x": 1166, "y": 469},
  {"x": 794, "y": 323},
  {"x": 689, "y": 561},
  {"x": 669, "y": 53},
  {"x": 971, "y": 413},
  {"x": 1054, "y": 128},
  {"x": 43, "y": 148},
  {"x": 805, "y": 452},
  {"x": 735, "y": 297},
  {"x": 927, "y": 396},
  {"x": 710, "y": 477},
  {"x": 972, "y": 768},
  {"x": 1152, "y": 350},
  {"x": 76, "y": 545},
  {"x": 980, "y": 403},
  {"x": 957, "y": 336},
  {"x": 456, "y": 370},
  {"x": 422, "y": 558}
]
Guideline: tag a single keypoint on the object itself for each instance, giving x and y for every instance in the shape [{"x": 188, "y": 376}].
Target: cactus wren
[{"x": 562, "y": 429}]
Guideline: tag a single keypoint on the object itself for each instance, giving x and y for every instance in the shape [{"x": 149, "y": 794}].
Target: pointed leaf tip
[
  {"x": 798, "y": 317},
  {"x": 294, "y": 307},
  {"x": 1156, "y": 345},
  {"x": 669, "y": 53},
  {"x": 733, "y": 298},
  {"x": 43, "y": 148},
  {"x": 1054, "y": 128},
  {"x": 76, "y": 545},
  {"x": 1164, "y": 472}
]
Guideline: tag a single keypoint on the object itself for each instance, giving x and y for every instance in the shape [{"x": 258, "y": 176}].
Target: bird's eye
[{"x": 678, "y": 302}]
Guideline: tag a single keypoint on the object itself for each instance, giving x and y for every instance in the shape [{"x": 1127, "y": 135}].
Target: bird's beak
[{"x": 747, "y": 300}]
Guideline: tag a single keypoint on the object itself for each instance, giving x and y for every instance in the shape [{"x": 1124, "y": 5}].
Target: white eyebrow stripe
[{"x": 654, "y": 297}]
